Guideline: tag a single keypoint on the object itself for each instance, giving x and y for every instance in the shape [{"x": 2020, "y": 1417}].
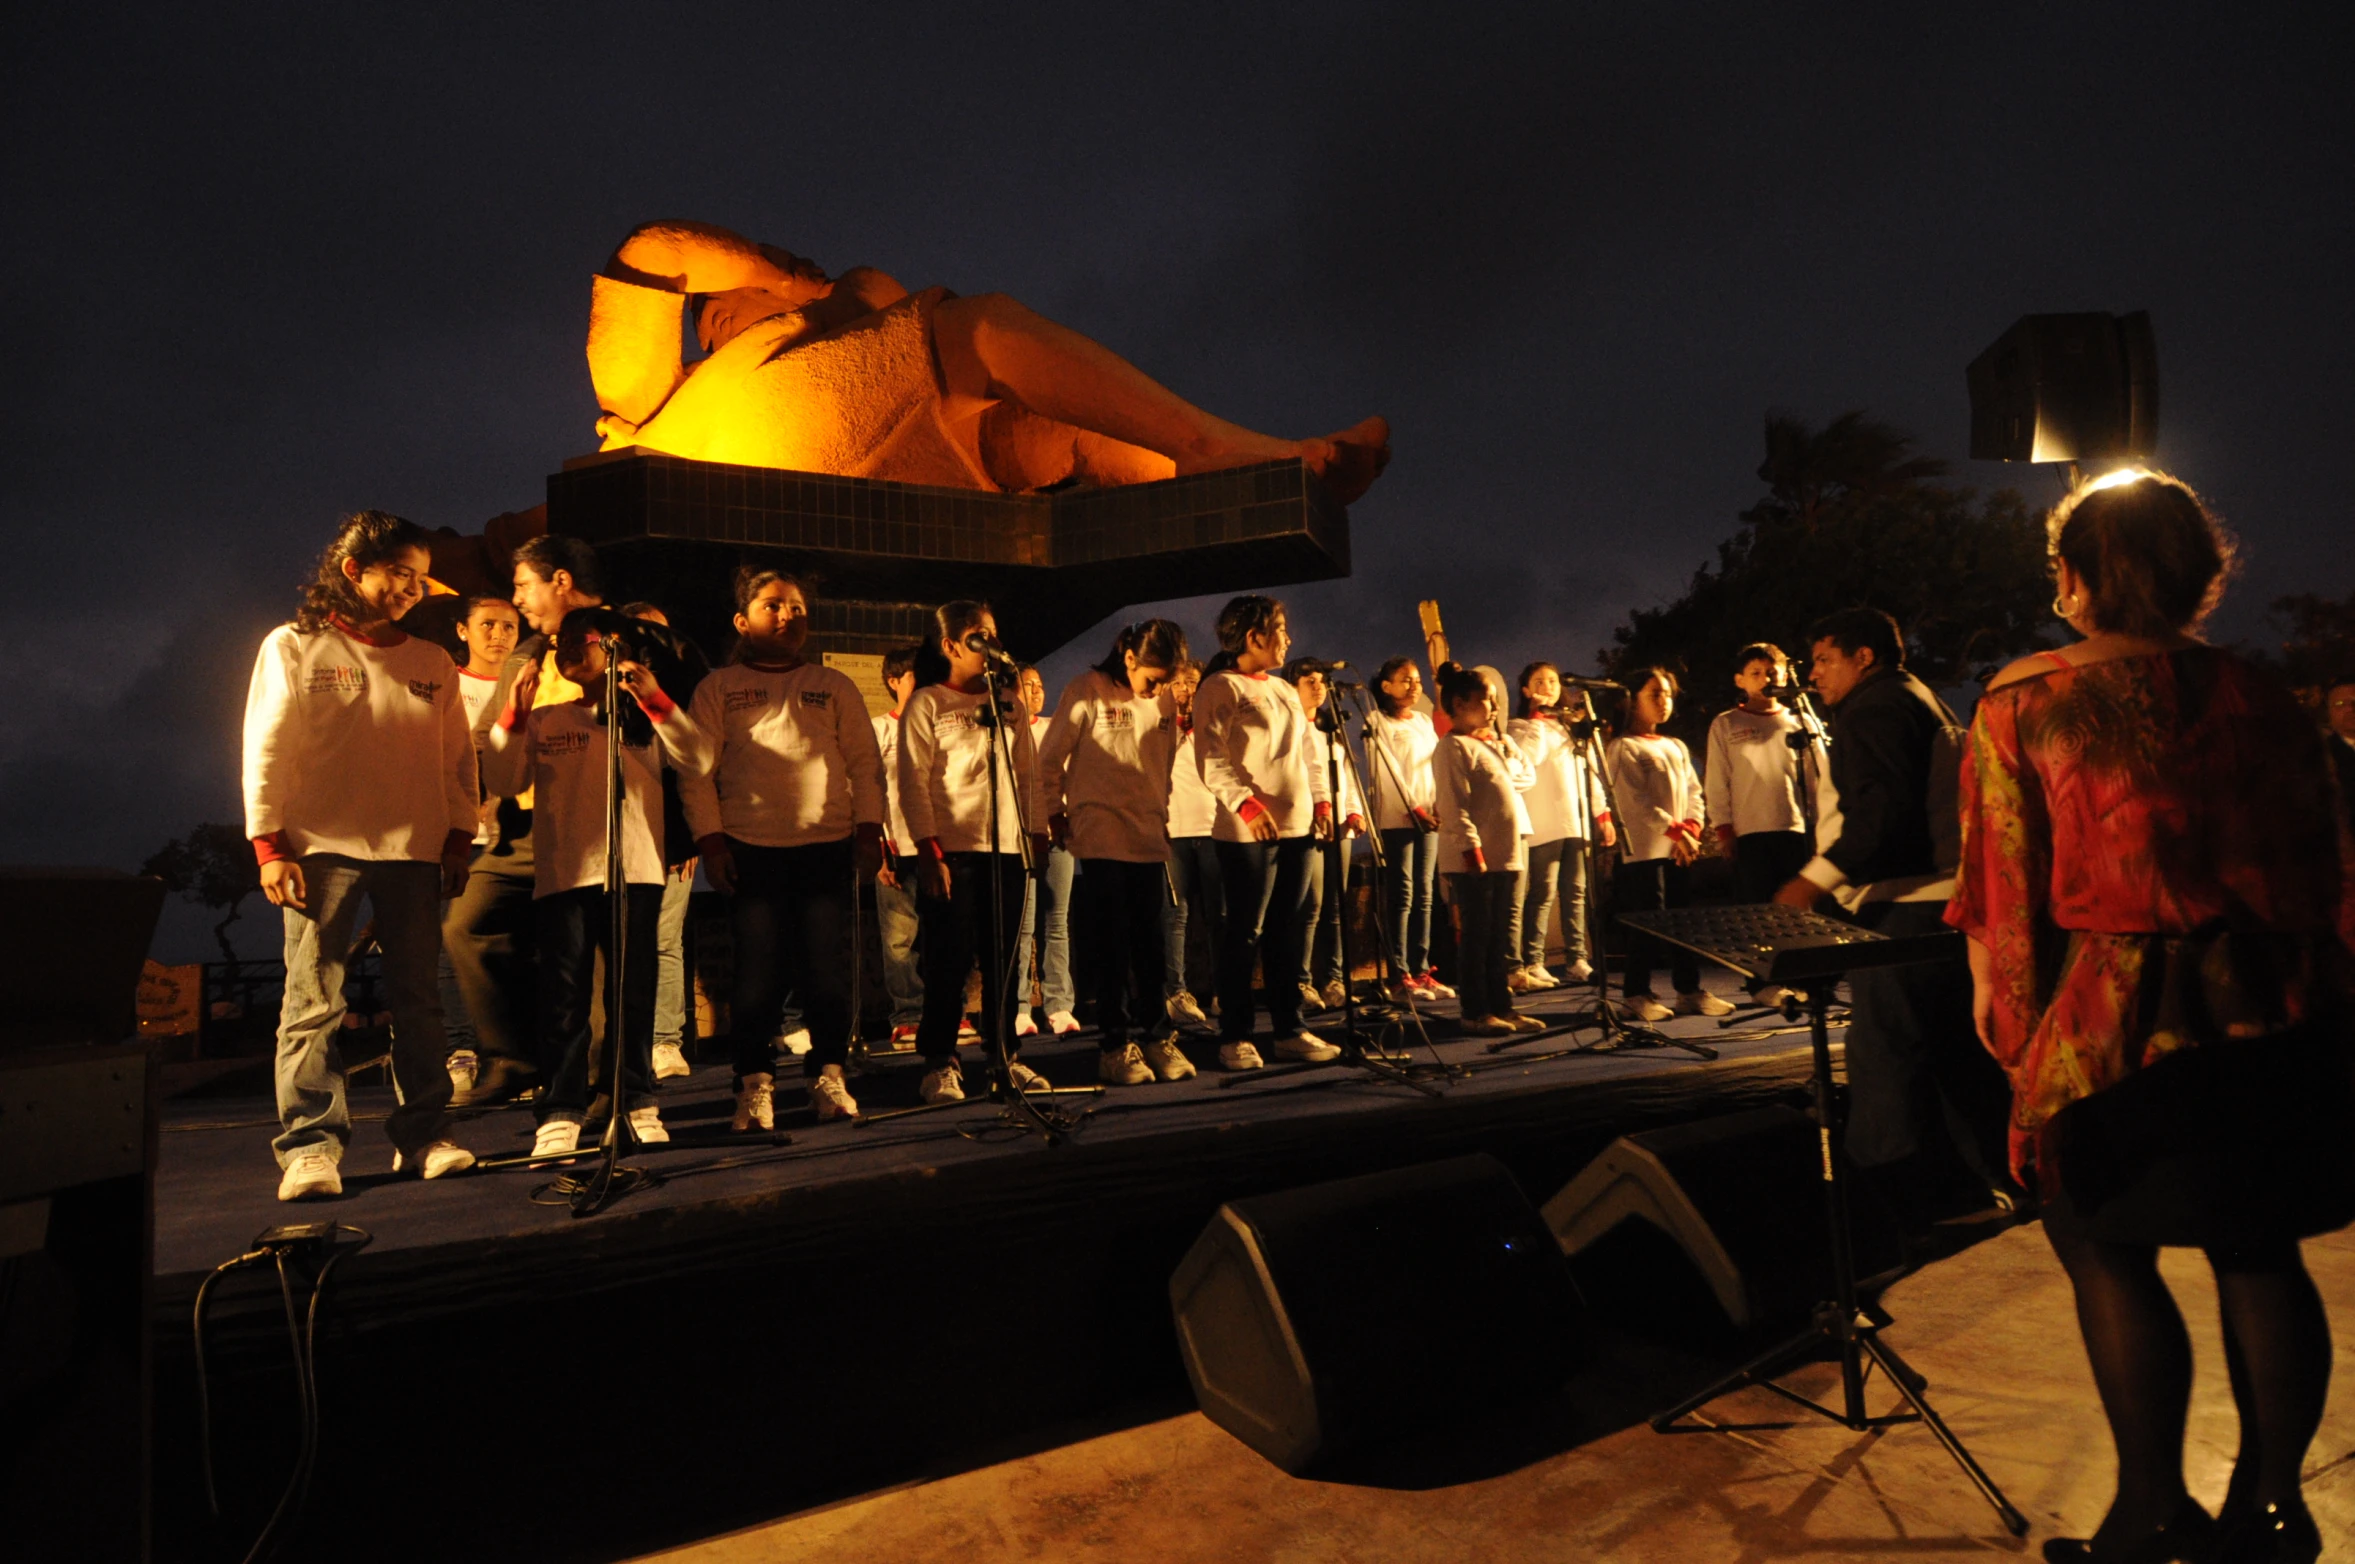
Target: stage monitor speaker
[
  {"x": 2067, "y": 388},
  {"x": 1740, "y": 1195},
  {"x": 71, "y": 945},
  {"x": 1319, "y": 1320}
]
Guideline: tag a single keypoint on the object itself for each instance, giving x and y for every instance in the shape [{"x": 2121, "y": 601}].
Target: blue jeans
[
  {"x": 1325, "y": 899},
  {"x": 1559, "y": 865},
  {"x": 1046, "y": 923},
  {"x": 670, "y": 960},
  {"x": 1195, "y": 899},
  {"x": 405, "y": 898},
  {"x": 1408, "y": 881},
  {"x": 896, "y": 922}
]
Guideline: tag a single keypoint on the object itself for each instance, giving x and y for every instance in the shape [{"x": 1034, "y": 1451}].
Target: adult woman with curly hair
[{"x": 2155, "y": 887}]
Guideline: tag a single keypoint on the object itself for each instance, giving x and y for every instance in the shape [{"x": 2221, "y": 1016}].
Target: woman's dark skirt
[{"x": 2234, "y": 1144}]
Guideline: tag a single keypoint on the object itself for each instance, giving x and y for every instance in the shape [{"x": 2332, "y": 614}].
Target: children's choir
[{"x": 1201, "y": 821}]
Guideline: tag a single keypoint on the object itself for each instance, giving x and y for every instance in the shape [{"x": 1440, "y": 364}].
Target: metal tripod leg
[{"x": 1903, "y": 1378}]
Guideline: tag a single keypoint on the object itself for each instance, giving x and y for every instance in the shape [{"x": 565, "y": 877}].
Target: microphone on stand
[{"x": 988, "y": 646}]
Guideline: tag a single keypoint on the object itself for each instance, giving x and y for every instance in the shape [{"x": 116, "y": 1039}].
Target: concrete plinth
[{"x": 881, "y": 554}]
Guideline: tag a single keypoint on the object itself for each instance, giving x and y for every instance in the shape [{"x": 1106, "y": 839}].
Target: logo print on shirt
[
  {"x": 341, "y": 679},
  {"x": 744, "y": 700},
  {"x": 818, "y": 698},
  {"x": 423, "y": 689},
  {"x": 563, "y": 742}
]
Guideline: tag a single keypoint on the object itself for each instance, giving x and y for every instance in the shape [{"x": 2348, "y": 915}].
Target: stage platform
[{"x": 793, "y": 1319}]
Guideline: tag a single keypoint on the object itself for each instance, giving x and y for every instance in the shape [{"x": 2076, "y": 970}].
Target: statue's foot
[{"x": 1349, "y": 462}]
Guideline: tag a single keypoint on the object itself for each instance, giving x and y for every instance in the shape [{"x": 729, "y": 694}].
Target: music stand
[{"x": 1806, "y": 951}]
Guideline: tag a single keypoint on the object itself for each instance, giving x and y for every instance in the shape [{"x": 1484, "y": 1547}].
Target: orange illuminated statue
[{"x": 856, "y": 375}]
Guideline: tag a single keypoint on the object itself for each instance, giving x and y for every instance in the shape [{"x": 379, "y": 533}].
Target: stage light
[
  {"x": 2067, "y": 388},
  {"x": 2112, "y": 480}
]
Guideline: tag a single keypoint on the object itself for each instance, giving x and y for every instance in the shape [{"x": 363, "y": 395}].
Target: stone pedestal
[{"x": 880, "y": 555}]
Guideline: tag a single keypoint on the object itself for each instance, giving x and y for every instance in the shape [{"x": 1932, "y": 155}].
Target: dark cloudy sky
[{"x": 267, "y": 264}]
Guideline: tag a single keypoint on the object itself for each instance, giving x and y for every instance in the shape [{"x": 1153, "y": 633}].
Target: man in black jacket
[{"x": 1916, "y": 1071}]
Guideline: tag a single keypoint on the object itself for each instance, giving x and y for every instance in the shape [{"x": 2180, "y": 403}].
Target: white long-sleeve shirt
[
  {"x": 1568, "y": 797},
  {"x": 1400, "y": 757},
  {"x": 793, "y": 759},
  {"x": 895, "y": 819},
  {"x": 1105, "y": 766},
  {"x": 1658, "y": 791},
  {"x": 356, "y": 748},
  {"x": 1752, "y": 778},
  {"x": 1480, "y": 783},
  {"x": 943, "y": 772},
  {"x": 1251, "y": 740},
  {"x": 1320, "y": 759},
  {"x": 559, "y": 752},
  {"x": 1192, "y": 811}
]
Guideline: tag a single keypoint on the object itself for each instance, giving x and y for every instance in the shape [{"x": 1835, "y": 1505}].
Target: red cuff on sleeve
[
  {"x": 1324, "y": 811},
  {"x": 1602, "y": 815},
  {"x": 511, "y": 718},
  {"x": 1252, "y": 809},
  {"x": 1355, "y": 822},
  {"x": 930, "y": 848},
  {"x": 271, "y": 848},
  {"x": 657, "y": 706}
]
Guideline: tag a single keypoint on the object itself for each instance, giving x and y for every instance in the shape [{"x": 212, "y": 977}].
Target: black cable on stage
[{"x": 302, "y": 1341}]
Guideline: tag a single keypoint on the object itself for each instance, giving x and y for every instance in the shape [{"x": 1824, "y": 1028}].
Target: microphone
[
  {"x": 987, "y": 645},
  {"x": 1572, "y": 681}
]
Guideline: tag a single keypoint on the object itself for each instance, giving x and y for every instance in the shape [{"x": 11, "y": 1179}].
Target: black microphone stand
[
  {"x": 1020, "y": 1109},
  {"x": 1613, "y": 1031},
  {"x": 1354, "y": 1052}
]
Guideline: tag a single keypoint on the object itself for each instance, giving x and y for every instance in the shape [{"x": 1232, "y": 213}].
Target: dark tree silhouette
[
  {"x": 1853, "y": 515},
  {"x": 2317, "y": 639},
  {"x": 213, "y": 866}
]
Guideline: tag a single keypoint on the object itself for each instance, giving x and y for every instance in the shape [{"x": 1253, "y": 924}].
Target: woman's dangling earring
[{"x": 2060, "y": 610}]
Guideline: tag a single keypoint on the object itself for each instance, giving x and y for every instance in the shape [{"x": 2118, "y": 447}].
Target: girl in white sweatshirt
[
  {"x": 946, "y": 739},
  {"x": 1251, "y": 741},
  {"x": 1480, "y": 775},
  {"x": 561, "y": 752},
  {"x": 1567, "y": 810},
  {"x": 1398, "y": 773},
  {"x": 788, "y": 816},
  {"x": 359, "y": 780},
  {"x": 1105, "y": 772},
  {"x": 1660, "y": 814}
]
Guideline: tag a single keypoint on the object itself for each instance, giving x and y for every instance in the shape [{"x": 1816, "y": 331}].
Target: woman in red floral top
[{"x": 2154, "y": 882}]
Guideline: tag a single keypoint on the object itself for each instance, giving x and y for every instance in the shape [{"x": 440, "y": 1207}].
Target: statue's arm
[{"x": 685, "y": 257}]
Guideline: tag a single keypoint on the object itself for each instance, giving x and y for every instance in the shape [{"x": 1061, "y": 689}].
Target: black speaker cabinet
[
  {"x": 1309, "y": 1319},
  {"x": 1741, "y": 1196},
  {"x": 2066, "y": 388}
]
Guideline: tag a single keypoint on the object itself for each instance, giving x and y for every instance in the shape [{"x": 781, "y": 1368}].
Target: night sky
[{"x": 263, "y": 268}]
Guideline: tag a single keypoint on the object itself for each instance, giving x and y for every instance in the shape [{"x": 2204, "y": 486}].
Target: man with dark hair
[{"x": 1916, "y": 1072}]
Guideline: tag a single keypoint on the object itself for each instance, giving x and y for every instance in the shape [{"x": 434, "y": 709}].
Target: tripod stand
[
  {"x": 1613, "y": 1031},
  {"x": 1019, "y": 1108},
  {"x": 1340, "y": 762},
  {"x": 1802, "y": 949}
]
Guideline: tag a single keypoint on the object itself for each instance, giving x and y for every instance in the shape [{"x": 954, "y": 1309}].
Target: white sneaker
[
  {"x": 310, "y": 1175},
  {"x": 1700, "y": 1002},
  {"x": 1517, "y": 982},
  {"x": 756, "y": 1103},
  {"x": 1434, "y": 989},
  {"x": 1310, "y": 1000},
  {"x": 463, "y": 1067},
  {"x": 1062, "y": 1023},
  {"x": 559, "y": 1132},
  {"x": 1125, "y": 1068},
  {"x": 965, "y": 1031},
  {"x": 669, "y": 1062},
  {"x": 646, "y": 1125},
  {"x": 1540, "y": 979},
  {"x": 1643, "y": 1007},
  {"x": 944, "y": 1083},
  {"x": 443, "y": 1156},
  {"x": 1581, "y": 971},
  {"x": 1025, "y": 1078},
  {"x": 1772, "y": 996},
  {"x": 830, "y": 1095},
  {"x": 1336, "y": 994},
  {"x": 1305, "y": 1046},
  {"x": 1184, "y": 1010},
  {"x": 1025, "y": 1024},
  {"x": 1167, "y": 1061},
  {"x": 796, "y": 1041},
  {"x": 1240, "y": 1056}
]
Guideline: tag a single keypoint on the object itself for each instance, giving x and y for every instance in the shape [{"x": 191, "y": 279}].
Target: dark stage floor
[{"x": 815, "y": 1293}]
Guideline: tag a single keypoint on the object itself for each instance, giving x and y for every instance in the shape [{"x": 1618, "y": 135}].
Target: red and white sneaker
[
  {"x": 830, "y": 1096},
  {"x": 1062, "y": 1023}
]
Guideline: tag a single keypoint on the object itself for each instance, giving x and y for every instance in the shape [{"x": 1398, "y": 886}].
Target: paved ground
[{"x": 1991, "y": 1327}]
